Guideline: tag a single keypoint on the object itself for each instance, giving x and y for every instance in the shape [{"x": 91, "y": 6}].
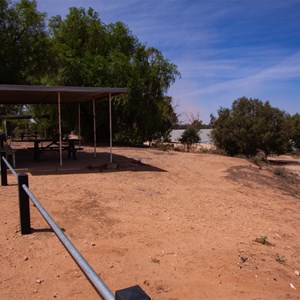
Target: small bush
[
  {"x": 288, "y": 176},
  {"x": 190, "y": 137},
  {"x": 179, "y": 149},
  {"x": 218, "y": 151},
  {"x": 260, "y": 159},
  {"x": 263, "y": 240},
  {"x": 280, "y": 259},
  {"x": 279, "y": 172},
  {"x": 163, "y": 146}
]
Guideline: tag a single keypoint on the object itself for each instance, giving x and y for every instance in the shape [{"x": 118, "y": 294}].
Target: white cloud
[
  {"x": 223, "y": 49},
  {"x": 195, "y": 94}
]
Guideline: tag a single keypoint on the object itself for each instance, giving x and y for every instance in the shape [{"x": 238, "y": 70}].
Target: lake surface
[{"x": 204, "y": 135}]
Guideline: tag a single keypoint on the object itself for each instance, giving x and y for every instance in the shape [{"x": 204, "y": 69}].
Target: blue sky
[{"x": 224, "y": 49}]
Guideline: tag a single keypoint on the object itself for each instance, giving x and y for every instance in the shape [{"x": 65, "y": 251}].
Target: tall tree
[
  {"x": 152, "y": 75},
  {"x": 80, "y": 50},
  {"x": 24, "y": 42},
  {"x": 90, "y": 53}
]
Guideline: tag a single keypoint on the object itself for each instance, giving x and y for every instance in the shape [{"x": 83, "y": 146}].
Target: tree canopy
[
  {"x": 295, "y": 130},
  {"x": 80, "y": 50},
  {"x": 251, "y": 125},
  {"x": 24, "y": 42}
]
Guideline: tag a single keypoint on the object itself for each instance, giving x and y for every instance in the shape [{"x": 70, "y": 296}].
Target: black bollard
[
  {"x": 132, "y": 293},
  {"x": 3, "y": 169},
  {"x": 24, "y": 205},
  {"x": 2, "y": 140}
]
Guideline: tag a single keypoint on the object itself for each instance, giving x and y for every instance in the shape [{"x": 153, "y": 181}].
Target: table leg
[
  {"x": 72, "y": 149},
  {"x": 36, "y": 154}
]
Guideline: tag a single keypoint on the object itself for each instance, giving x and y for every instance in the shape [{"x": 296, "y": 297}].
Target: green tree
[
  {"x": 146, "y": 107},
  {"x": 24, "y": 42},
  {"x": 191, "y": 135},
  {"x": 80, "y": 47},
  {"x": 90, "y": 53},
  {"x": 80, "y": 50},
  {"x": 251, "y": 125},
  {"x": 295, "y": 131},
  {"x": 46, "y": 119}
]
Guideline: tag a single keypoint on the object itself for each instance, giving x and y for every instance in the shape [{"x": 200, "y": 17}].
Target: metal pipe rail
[
  {"x": 131, "y": 293},
  {"x": 10, "y": 167},
  {"x": 98, "y": 284}
]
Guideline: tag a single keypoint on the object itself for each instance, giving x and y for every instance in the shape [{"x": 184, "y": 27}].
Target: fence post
[
  {"x": 24, "y": 204},
  {"x": 3, "y": 169},
  {"x": 132, "y": 293}
]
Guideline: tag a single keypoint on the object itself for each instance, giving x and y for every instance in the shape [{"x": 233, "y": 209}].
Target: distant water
[{"x": 204, "y": 135}]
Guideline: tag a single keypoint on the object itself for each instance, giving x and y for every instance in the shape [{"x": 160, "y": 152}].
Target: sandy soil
[{"x": 180, "y": 225}]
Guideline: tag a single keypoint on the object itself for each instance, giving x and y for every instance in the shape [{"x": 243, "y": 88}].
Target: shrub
[
  {"x": 260, "y": 159},
  {"x": 191, "y": 135},
  {"x": 280, "y": 259},
  {"x": 290, "y": 177},
  {"x": 263, "y": 240},
  {"x": 163, "y": 146},
  {"x": 251, "y": 125},
  {"x": 295, "y": 131}
]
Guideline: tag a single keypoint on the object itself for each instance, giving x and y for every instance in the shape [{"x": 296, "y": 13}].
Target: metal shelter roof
[{"x": 32, "y": 94}]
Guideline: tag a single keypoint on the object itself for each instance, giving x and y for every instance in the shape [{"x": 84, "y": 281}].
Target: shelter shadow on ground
[{"x": 85, "y": 163}]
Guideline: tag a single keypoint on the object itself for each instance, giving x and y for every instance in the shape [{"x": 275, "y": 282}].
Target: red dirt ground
[{"x": 180, "y": 225}]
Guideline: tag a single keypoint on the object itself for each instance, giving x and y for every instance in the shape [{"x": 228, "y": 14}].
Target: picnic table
[{"x": 44, "y": 145}]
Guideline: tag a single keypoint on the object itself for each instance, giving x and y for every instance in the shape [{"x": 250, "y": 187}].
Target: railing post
[
  {"x": 132, "y": 293},
  {"x": 3, "y": 169},
  {"x": 24, "y": 204}
]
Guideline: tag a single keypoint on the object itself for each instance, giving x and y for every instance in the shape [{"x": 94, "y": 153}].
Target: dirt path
[{"x": 180, "y": 225}]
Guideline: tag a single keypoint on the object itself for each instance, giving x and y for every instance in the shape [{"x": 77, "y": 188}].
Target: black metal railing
[{"x": 131, "y": 293}]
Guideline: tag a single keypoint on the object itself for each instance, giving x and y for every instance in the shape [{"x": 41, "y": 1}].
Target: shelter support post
[
  {"x": 59, "y": 129},
  {"x": 79, "y": 125},
  {"x": 110, "y": 129},
  {"x": 94, "y": 118}
]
